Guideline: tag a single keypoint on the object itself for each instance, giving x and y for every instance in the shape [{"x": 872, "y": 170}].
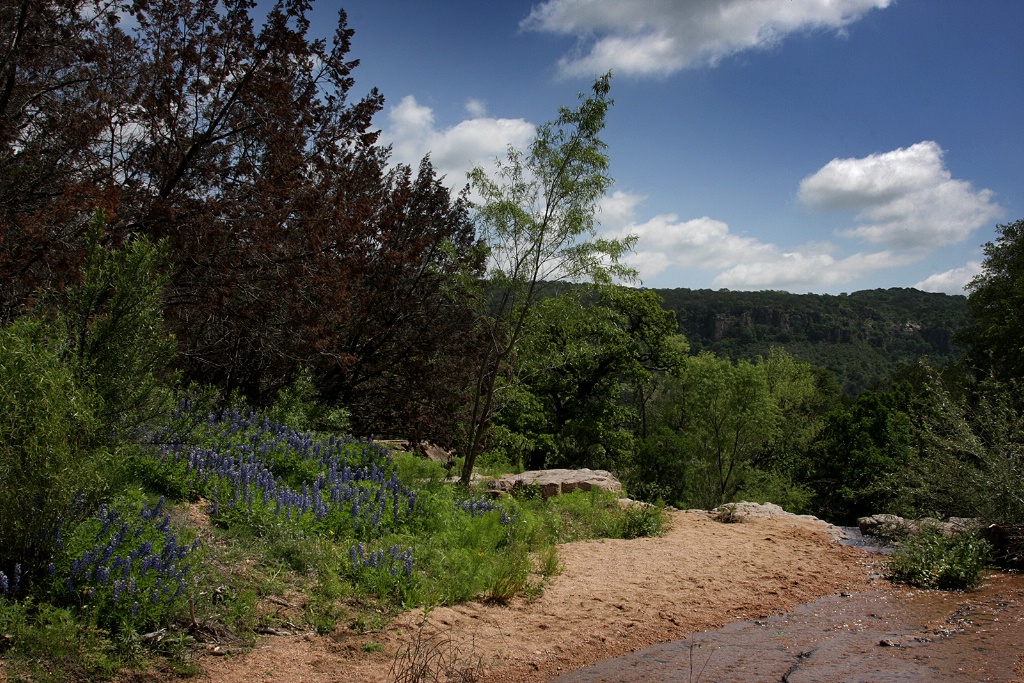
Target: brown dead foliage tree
[{"x": 293, "y": 239}]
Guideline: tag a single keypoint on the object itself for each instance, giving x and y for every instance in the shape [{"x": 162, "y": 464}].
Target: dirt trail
[{"x": 613, "y": 597}]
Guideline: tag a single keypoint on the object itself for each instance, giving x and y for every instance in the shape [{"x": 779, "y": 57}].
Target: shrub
[
  {"x": 779, "y": 488},
  {"x": 47, "y": 465},
  {"x": 297, "y": 406},
  {"x": 639, "y": 520},
  {"x": 934, "y": 559},
  {"x": 75, "y": 386}
]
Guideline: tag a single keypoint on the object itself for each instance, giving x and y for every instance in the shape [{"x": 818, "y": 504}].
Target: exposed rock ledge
[{"x": 556, "y": 482}]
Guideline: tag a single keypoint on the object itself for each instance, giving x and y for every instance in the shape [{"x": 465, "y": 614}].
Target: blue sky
[{"x": 803, "y": 145}]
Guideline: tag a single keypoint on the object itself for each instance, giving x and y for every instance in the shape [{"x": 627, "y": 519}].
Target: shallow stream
[{"x": 886, "y": 636}]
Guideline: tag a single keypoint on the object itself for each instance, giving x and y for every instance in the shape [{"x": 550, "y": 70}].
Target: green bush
[
  {"x": 118, "y": 347},
  {"x": 46, "y": 458},
  {"x": 779, "y": 488},
  {"x": 78, "y": 381},
  {"x": 297, "y": 406},
  {"x": 642, "y": 520},
  {"x": 932, "y": 558}
]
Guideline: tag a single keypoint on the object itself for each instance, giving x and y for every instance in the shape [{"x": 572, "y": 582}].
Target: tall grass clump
[
  {"x": 932, "y": 558},
  {"x": 598, "y": 514}
]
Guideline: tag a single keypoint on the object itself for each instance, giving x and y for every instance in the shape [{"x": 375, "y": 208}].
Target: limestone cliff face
[{"x": 861, "y": 336}]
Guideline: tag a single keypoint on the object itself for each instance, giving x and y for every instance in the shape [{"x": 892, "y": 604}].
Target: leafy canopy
[
  {"x": 996, "y": 301},
  {"x": 536, "y": 220}
]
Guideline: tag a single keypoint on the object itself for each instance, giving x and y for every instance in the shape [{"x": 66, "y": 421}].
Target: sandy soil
[{"x": 613, "y": 597}]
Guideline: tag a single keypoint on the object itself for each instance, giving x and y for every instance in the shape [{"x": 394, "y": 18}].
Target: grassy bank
[{"x": 229, "y": 524}]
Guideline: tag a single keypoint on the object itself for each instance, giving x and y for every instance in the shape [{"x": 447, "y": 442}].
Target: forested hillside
[{"x": 861, "y": 337}]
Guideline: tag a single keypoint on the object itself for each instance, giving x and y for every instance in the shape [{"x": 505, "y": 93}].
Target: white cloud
[
  {"x": 413, "y": 133},
  {"x": 807, "y": 270},
  {"x": 665, "y": 242},
  {"x": 952, "y": 281},
  {"x": 659, "y": 37},
  {"x": 476, "y": 108},
  {"x": 904, "y": 199}
]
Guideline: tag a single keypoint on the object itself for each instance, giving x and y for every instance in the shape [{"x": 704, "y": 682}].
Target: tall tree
[
  {"x": 724, "y": 413},
  {"x": 996, "y": 300},
  {"x": 582, "y": 356},
  {"x": 801, "y": 396},
  {"x": 536, "y": 217},
  {"x": 60, "y": 73},
  {"x": 292, "y": 239},
  {"x": 859, "y": 446}
]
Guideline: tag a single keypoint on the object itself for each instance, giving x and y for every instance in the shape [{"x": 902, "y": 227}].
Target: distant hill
[{"x": 861, "y": 337}]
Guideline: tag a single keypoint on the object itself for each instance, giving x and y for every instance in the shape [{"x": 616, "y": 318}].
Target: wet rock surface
[{"x": 885, "y": 636}]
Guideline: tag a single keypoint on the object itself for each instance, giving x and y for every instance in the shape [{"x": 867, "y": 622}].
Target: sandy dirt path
[{"x": 613, "y": 597}]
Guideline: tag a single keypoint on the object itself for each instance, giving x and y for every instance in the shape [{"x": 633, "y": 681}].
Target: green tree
[
  {"x": 802, "y": 396},
  {"x": 582, "y": 356},
  {"x": 536, "y": 218},
  {"x": 77, "y": 379},
  {"x": 114, "y": 318},
  {"x": 996, "y": 301},
  {"x": 292, "y": 238},
  {"x": 859, "y": 447},
  {"x": 970, "y": 451},
  {"x": 724, "y": 412}
]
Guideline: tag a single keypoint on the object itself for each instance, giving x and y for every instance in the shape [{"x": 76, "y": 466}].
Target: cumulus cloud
[
  {"x": 659, "y": 37},
  {"x": 413, "y": 133},
  {"x": 665, "y": 242},
  {"x": 476, "y": 108},
  {"x": 807, "y": 270},
  {"x": 952, "y": 281},
  {"x": 904, "y": 199}
]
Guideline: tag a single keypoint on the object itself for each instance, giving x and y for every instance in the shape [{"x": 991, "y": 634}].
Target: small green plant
[
  {"x": 640, "y": 519},
  {"x": 550, "y": 564},
  {"x": 509, "y": 575},
  {"x": 933, "y": 559}
]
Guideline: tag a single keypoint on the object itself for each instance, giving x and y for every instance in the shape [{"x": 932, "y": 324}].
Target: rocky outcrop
[
  {"x": 894, "y": 527},
  {"x": 886, "y": 527},
  {"x": 746, "y": 512},
  {"x": 556, "y": 482}
]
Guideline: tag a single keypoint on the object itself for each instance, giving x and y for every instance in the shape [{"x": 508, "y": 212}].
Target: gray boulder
[{"x": 556, "y": 482}]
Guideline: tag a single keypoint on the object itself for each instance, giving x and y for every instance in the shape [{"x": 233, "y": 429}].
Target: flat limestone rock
[
  {"x": 557, "y": 482},
  {"x": 745, "y": 512}
]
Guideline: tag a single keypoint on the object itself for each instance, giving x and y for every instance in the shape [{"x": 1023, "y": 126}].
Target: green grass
[{"x": 259, "y": 564}]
